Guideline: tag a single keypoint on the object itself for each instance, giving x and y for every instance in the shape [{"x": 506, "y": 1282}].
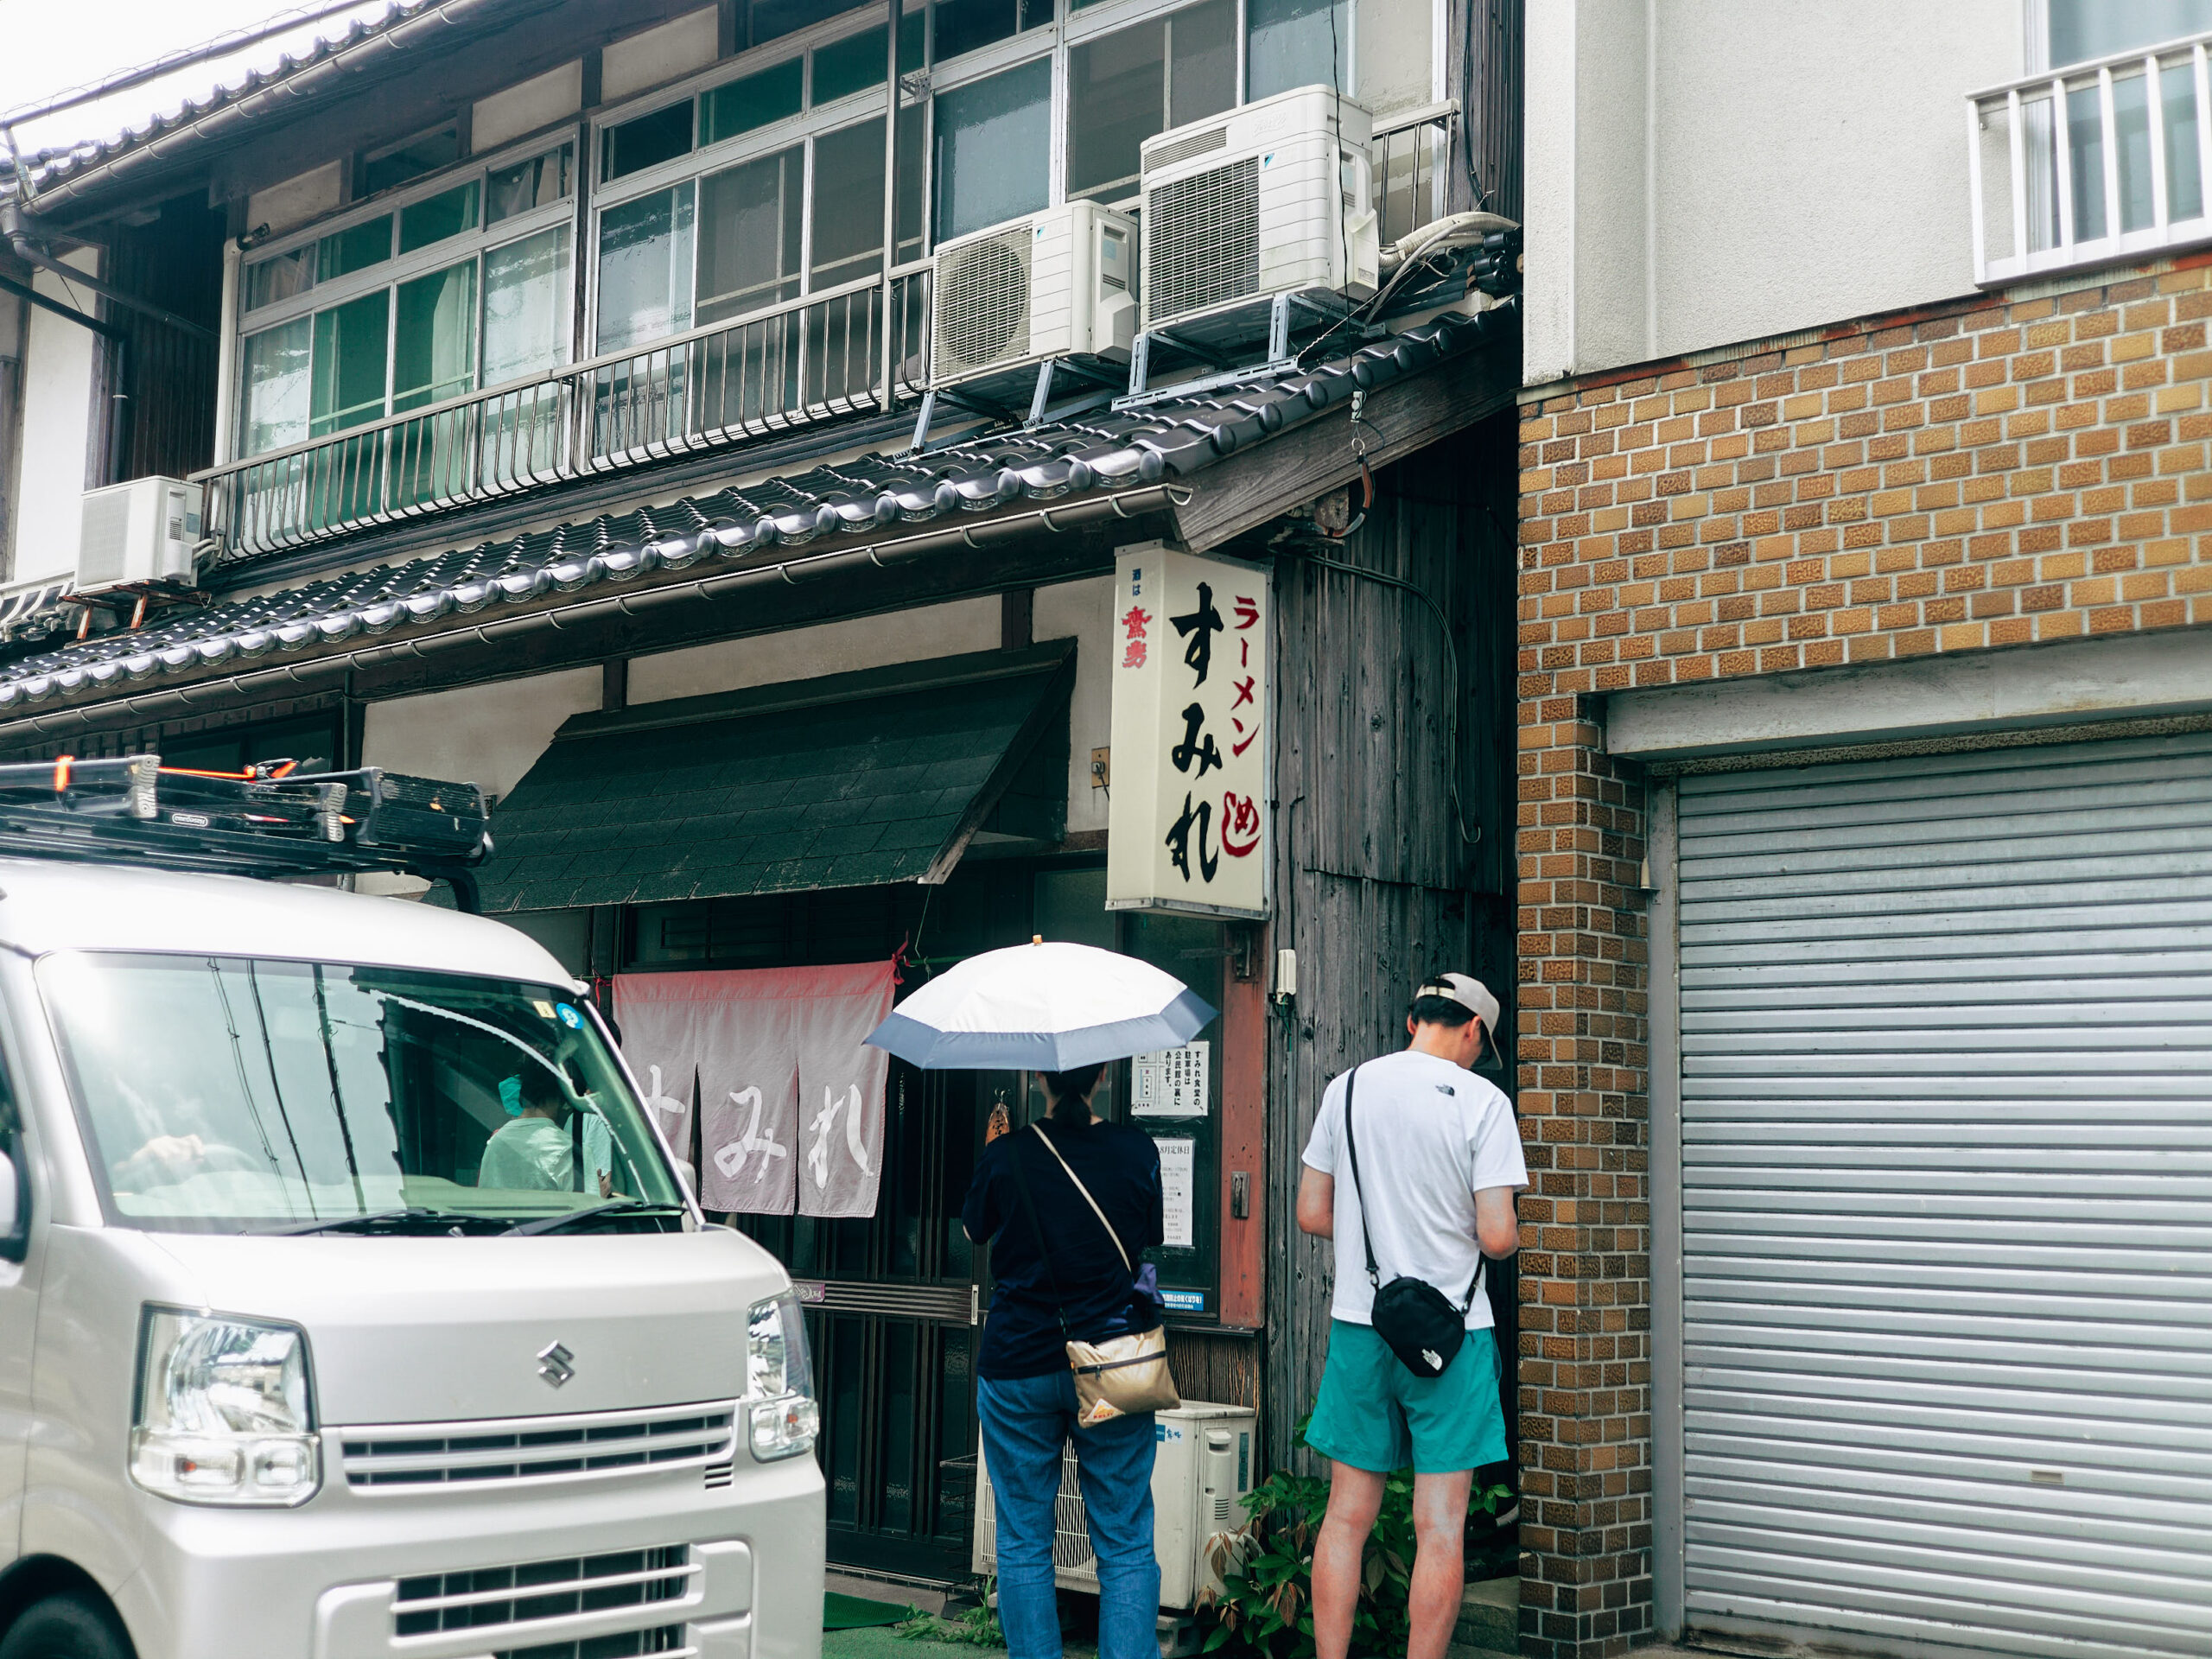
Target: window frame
[{"x": 398, "y": 268}]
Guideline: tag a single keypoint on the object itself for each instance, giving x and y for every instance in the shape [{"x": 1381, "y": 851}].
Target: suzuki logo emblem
[{"x": 554, "y": 1364}]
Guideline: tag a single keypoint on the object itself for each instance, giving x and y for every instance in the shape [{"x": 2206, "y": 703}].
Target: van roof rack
[{"x": 270, "y": 820}]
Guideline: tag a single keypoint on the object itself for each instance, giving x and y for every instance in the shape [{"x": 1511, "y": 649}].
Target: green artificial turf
[{"x": 856, "y": 1612}]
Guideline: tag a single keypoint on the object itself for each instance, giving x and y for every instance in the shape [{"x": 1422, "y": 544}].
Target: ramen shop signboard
[{"x": 1188, "y": 818}]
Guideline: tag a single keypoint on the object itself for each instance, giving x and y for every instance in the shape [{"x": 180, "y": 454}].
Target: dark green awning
[{"x": 849, "y": 780}]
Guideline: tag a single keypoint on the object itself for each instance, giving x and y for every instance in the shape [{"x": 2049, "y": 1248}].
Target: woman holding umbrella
[{"x": 1067, "y": 1204}]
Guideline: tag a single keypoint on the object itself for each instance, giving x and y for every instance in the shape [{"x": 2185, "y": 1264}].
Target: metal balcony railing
[
  {"x": 2095, "y": 161},
  {"x": 788, "y": 365},
  {"x": 1405, "y": 152}
]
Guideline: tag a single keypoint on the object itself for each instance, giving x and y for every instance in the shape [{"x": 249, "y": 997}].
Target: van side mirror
[
  {"x": 689, "y": 1176},
  {"x": 14, "y": 1211}
]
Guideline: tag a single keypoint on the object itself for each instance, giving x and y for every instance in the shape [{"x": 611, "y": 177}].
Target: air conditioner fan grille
[
  {"x": 982, "y": 302},
  {"x": 1203, "y": 233}
]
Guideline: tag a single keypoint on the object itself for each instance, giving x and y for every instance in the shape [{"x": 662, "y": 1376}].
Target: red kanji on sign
[
  {"x": 1240, "y": 824},
  {"x": 1243, "y": 691},
  {"x": 1133, "y": 654},
  {"x": 1133, "y": 624},
  {"x": 1248, "y": 612}
]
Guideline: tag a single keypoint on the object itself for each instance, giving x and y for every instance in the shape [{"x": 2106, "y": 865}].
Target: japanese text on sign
[
  {"x": 1188, "y": 813},
  {"x": 1171, "y": 1082}
]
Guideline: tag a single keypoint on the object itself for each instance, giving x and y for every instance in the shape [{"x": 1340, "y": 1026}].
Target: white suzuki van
[{"x": 350, "y": 1304}]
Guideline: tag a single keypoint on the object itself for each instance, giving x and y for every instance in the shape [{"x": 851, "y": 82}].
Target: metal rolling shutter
[{"x": 1947, "y": 1191}]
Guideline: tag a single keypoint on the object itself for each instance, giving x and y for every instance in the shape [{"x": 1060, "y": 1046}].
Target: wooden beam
[
  {"x": 1247, "y": 490},
  {"x": 1243, "y": 1135}
]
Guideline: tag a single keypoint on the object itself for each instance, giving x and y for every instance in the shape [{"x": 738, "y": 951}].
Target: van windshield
[{"x": 227, "y": 1094}]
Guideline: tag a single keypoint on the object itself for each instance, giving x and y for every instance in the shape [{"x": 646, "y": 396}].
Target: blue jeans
[{"x": 1026, "y": 1422}]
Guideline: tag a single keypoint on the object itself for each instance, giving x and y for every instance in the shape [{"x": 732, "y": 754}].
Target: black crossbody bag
[{"x": 1412, "y": 1317}]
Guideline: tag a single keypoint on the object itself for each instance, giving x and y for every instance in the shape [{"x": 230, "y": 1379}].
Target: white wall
[
  {"x": 655, "y": 56},
  {"x": 1706, "y": 172},
  {"x": 525, "y": 107},
  {"x": 57, "y": 427},
  {"x": 488, "y": 735},
  {"x": 296, "y": 200},
  {"x": 808, "y": 653},
  {"x": 1083, "y": 611}
]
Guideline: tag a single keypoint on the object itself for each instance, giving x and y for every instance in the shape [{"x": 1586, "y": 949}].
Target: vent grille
[
  {"x": 1203, "y": 234},
  {"x": 1181, "y": 150},
  {"x": 720, "y": 1475},
  {"x": 1071, "y": 1550},
  {"x": 104, "y": 544},
  {"x": 535, "y": 1591},
  {"x": 982, "y": 302},
  {"x": 530, "y": 1448}
]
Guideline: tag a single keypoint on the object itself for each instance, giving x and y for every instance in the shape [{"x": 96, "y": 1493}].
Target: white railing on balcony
[
  {"x": 2095, "y": 161},
  {"x": 788, "y": 365}
]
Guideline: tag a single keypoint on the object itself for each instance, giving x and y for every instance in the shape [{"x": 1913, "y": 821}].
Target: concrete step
[{"x": 1490, "y": 1619}]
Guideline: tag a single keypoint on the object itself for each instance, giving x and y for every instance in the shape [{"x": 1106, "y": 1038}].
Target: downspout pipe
[{"x": 11, "y": 227}]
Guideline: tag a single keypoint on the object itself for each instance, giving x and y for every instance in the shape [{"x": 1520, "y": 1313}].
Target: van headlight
[
  {"x": 778, "y": 1380},
  {"x": 224, "y": 1411}
]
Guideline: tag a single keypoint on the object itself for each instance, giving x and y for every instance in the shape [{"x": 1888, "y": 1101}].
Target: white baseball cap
[{"x": 1469, "y": 994}]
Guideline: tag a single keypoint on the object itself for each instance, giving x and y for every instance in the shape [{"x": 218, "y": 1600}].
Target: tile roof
[
  {"x": 405, "y": 26},
  {"x": 1088, "y": 456}
]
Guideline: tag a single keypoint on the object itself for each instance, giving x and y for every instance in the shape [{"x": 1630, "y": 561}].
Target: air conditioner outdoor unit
[
  {"x": 143, "y": 531},
  {"x": 1201, "y": 1476},
  {"x": 1057, "y": 284},
  {"x": 1269, "y": 199}
]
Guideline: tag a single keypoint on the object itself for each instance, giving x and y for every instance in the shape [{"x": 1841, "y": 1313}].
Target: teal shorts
[{"x": 1374, "y": 1414}]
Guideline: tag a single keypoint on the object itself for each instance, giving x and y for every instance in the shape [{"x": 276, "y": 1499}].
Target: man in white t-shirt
[{"x": 1439, "y": 1163}]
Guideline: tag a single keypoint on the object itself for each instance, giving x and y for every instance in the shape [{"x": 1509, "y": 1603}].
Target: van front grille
[
  {"x": 535, "y": 1591},
  {"x": 410, "y": 1456},
  {"x": 667, "y": 1640},
  {"x": 1201, "y": 240}
]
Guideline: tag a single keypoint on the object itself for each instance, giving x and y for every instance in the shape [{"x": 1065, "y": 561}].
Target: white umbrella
[{"x": 1042, "y": 1008}]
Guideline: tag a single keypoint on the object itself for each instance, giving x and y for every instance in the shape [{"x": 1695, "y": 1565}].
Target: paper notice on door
[
  {"x": 1171, "y": 1082},
  {"x": 1179, "y": 1162}
]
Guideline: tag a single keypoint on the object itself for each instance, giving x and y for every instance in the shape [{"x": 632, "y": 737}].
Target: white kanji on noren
[{"x": 729, "y": 1160}]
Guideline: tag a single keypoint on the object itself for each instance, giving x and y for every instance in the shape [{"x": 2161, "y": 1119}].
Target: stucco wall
[
  {"x": 1716, "y": 171},
  {"x": 486, "y": 734},
  {"x": 57, "y": 380}
]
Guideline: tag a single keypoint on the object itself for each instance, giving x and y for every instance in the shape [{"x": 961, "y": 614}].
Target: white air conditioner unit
[
  {"x": 1272, "y": 197},
  {"x": 143, "y": 531},
  {"x": 1201, "y": 1475},
  {"x": 1057, "y": 284}
]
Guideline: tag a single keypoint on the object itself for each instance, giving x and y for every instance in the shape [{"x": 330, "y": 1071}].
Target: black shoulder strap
[
  {"x": 1029, "y": 1209},
  {"x": 1352, "y": 1145},
  {"x": 1374, "y": 1274}
]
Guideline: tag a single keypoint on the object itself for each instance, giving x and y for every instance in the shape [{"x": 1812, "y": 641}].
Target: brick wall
[{"x": 1991, "y": 472}]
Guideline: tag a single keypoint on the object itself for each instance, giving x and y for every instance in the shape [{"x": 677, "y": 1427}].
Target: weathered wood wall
[{"x": 1376, "y": 884}]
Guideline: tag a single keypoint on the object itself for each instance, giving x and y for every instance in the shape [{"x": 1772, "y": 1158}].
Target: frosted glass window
[
  {"x": 776, "y": 93},
  {"x": 538, "y": 183},
  {"x": 1293, "y": 43},
  {"x": 2082, "y": 29},
  {"x": 434, "y": 338},
  {"x": 645, "y": 270},
  {"x": 350, "y": 341},
  {"x": 749, "y": 235},
  {"x": 994, "y": 149},
  {"x": 279, "y": 278},
  {"x": 343, "y": 252},
  {"x": 276, "y": 375},
  {"x": 526, "y": 307},
  {"x": 435, "y": 218}
]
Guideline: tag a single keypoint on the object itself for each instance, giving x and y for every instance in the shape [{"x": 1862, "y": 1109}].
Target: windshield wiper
[
  {"x": 627, "y": 1206},
  {"x": 411, "y": 1217}
]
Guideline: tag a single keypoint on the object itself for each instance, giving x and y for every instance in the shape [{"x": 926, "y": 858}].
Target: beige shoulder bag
[{"x": 1122, "y": 1376}]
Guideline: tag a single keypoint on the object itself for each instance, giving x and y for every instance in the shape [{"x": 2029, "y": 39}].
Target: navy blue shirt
[{"x": 1121, "y": 1167}]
